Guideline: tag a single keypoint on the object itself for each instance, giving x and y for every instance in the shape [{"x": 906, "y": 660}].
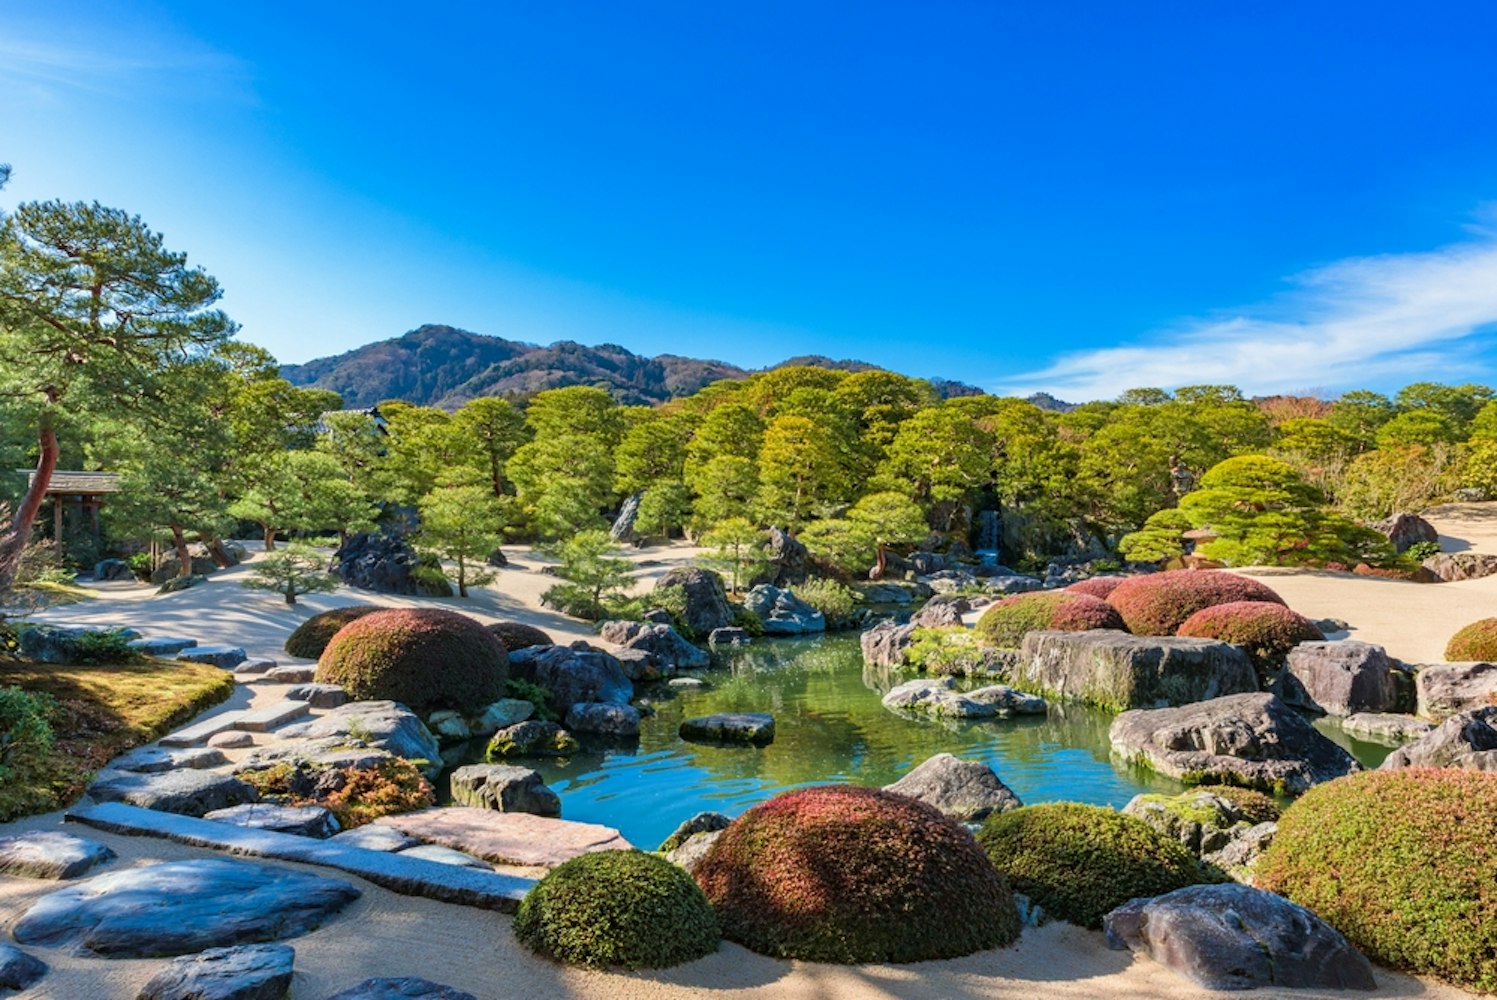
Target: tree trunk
[
  {"x": 14, "y": 543},
  {"x": 462, "y": 578},
  {"x": 218, "y": 553},
  {"x": 184, "y": 558},
  {"x": 290, "y": 595},
  {"x": 883, "y": 563},
  {"x": 269, "y": 538}
]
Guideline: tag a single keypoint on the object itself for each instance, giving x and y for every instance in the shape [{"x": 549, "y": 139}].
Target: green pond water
[{"x": 830, "y": 727}]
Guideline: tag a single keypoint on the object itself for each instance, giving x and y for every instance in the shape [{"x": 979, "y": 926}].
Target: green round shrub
[
  {"x": 1267, "y": 631},
  {"x": 517, "y": 635},
  {"x": 312, "y": 636},
  {"x": 614, "y": 908},
  {"x": 1079, "y": 862},
  {"x": 424, "y": 658},
  {"x": 1403, "y": 862},
  {"x": 1097, "y": 586},
  {"x": 1159, "y": 603},
  {"x": 1477, "y": 641},
  {"x": 839, "y": 873},
  {"x": 1005, "y": 623}
]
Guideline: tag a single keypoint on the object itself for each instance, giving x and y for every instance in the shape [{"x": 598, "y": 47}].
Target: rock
[
  {"x": 1234, "y": 937},
  {"x": 1239, "y": 856},
  {"x": 1386, "y": 728},
  {"x": 1468, "y": 740},
  {"x": 386, "y": 563},
  {"x": 501, "y": 714},
  {"x": 755, "y": 728},
  {"x": 154, "y": 760},
  {"x": 406, "y": 988},
  {"x": 180, "y": 583},
  {"x": 687, "y": 683},
  {"x": 693, "y": 850},
  {"x": 667, "y": 648},
  {"x": 637, "y": 664},
  {"x": 1453, "y": 566},
  {"x": 182, "y": 907},
  {"x": 504, "y": 788},
  {"x": 517, "y": 635},
  {"x": 246, "y": 972},
  {"x": 304, "y": 821},
  {"x": 965, "y": 790},
  {"x": 1339, "y": 678},
  {"x": 572, "y": 675},
  {"x": 232, "y": 739},
  {"x": 702, "y": 822},
  {"x": 292, "y": 673},
  {"x": 729, "y": 636},
  {"x": 18, "y": 970},
  {"x": 622, "y": 530},
  {"x": 941, "y": 611},
  {"x": 788, "y": 559},
  {"x": 782, "y": 612},
  {"x": 50, "y": 854},
  {"x": 1007, "y": 700},
  {"x": 449, "y": 726},
  {"x": 926, "y": 563},
  {"x": 255, "y": 667},
  {"x": 443, "y": 856},
  {"x": 707, "y": 605},
  {"x": 313, "y": 755},
  {"x": 532, "y": 739},
  {"x": 1446, "y": 689},
  {"x": 1406, "y": 531},
  {"x": 161, "y": 645},
  {"x": 605, "y": 720},
  {"x": 170, "y": 569},
  {"x": 885, "y": 593},
  {"x": 1115, "y": 670},
  {"x": 383, "y": 725},
  {"x": 938, "y": 696},
  {"x": 497, "y": 559},
  {"x": 1242, "y": 739},
  {"x": 108, "y": 570},
  {"x": 63, "y": 643},
  {"x": 885, "y": 644},
  {"x": 373, "y": 837},
  {"x": 318, "y": 695},
  {"x": 657, "y": 616},
  {"x": 188, "y": 792},
  {"x": 227, "y": 657},
  {"x": 506, "y": 837},
  {"x": 1202, "y": 821}
]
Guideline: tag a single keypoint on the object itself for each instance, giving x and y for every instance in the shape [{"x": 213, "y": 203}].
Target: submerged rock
[
  {"x": 754, "y": 728},
  {"x": 1384, "y": 727}
]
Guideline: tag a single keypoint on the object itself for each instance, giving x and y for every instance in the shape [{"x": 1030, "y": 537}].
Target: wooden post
[{"x": 57, "y": 522}]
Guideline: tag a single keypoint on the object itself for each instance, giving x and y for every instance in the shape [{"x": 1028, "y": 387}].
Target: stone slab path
[{"x": 506, "y": 838}]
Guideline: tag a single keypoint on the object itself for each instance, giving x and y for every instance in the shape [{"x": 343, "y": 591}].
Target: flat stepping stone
[
  {"x": 19, "y": 970},
  {"x": 296, "y": 673},
  {"x": 190, "y": 793},
  {"x": 231, "y": 739},
  {"x": 506, "y": 838},
  {"x": 182, "y": 907},
  {"x": 50, "y": 854},
  {"x": 320, "y": 695},
  {"x": 246, "y": 972},
  {"x": 752, "y": 728},
  {"x": 227, "y": 657},
  {"x": 373, "y": 837},
  {"x": 303, "y": 821},
  {"x": 405, "y": 988},
  {"x": 154, "y": 760},
  {"x": 485, "y": 889},
  {"x": 161, "y": 645},
  {"x": 256, "y": 666},
  {"x": 442, "y": 856},
  {"x": 200, "y": 731},
  {"x": 263, "y": 720}
]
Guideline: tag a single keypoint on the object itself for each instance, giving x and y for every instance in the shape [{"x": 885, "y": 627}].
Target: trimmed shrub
[
  {"x": 1257, "y": 807},
  {"x": 839, "y": 873},
  {"x": 517, "y": 635},
  {"x": 1267, "y": 631},
  {"x": 312, "y": 636},
  {"x": 613, "y": 908},
  {"x": 1403, "y": 862},
  {"x": 836, "y": 602},
  {"x": 1159, "y": 603},
  {"x": 1098, "y": 586},
  {"x": 1079, "y": 862},
  {"x": 1477, "y": 641},
  {"x": 1005, "y": 623},
  {"x": 424, "y": 658}
]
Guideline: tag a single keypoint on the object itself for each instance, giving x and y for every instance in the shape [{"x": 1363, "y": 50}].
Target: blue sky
[{"x": 1072, "y": 197}]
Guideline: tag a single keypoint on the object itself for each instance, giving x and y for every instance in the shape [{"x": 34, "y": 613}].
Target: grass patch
[{"x": 102, "y": 711}]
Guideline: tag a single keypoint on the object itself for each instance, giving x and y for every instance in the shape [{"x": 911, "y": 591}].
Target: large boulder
[
  {"x": 170, "y": 569},
  {"x": 385, "y": 563},
  {"x": 66, "y": 643},
  {"x": 245, "y": 972},
  {"x": 1453, "y": 566},
  {"x": 1115, "y": 670},
  {"x": 381, "y": 725},
  {"x": 1446, "y": 689},
  {"x": 622, "y": 530},
  {"x": 572, "y": 674},
  {"x": 1205, "y": 820},
  {"x": 1467, "y": 740},
  {"x": 187, "y": 792},
  {"x": 107, "y": 570},
  {"x": 884, "y": 644},
  {"x": 782, "y": 612},
  {"x": 1254, "y": 740},
  {"x": 1406, "y": 530},
  {"x": 966, "y": 790},
  {"x": 603, "y": 719},
  {"x": 667, "y": 649},
  {"x": 788, "y": 558},
  {"x": 1235, "y": 937},
  {"x": 504, "y": 788},
  {"x": 941, "y": 611},
  {"x": 1340, "y": 678},
  {"x": 706, "y": 600}
]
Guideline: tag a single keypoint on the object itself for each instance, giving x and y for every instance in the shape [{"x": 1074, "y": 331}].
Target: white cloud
[
  {"x": 152, "y": 65},
  {"x": 1398, "y": 317}
]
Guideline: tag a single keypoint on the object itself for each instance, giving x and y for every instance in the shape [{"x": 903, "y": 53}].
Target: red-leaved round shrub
[
  {"x": 424, "y": 658},
  {"x": 845, "y": 874},
  {"x": 1477, "y": 641},
  {"x": 1098, "y": 586},
  {"x": 1403, "y": 862},
  {"x": 1159, "y": 603},
  {"x": 1005, "y": 623},
  {"x": 1267, "y": 631}
]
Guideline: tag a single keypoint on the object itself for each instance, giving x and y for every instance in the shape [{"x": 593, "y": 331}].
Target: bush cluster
[
  {"x": 312, "y": 636},
  {"x": 1254, "y": 805},
  {"x": 1079, "y": 862},
  {"x": 613, "y": 908},
  {"x": 25, "y": 732},
  {"x": 954, "y": 651},
  {"x": 1477, "y": 641},
  {"x": 836, "y": 602},
  {"x": 847, "y": 874},
  {"x": 1159, "y": 603},
  {"x": 1097, "y": 586},
  {"x": 355, "y": 796},
  {"x": 424, "y": 658},
  {"x": 1006, "y": 622},
  {"x": 517, "y": 635},
  {"x": 1403, "y": 862},
  {"x": 1267, "y": 631}
]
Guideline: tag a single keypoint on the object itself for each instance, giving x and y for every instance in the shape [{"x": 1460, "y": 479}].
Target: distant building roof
[{"x": 78, "y": 483}]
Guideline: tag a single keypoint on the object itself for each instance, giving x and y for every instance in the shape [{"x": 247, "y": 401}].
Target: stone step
[
  {"x": 263, "y": 720},
  {"x": 200, "y": 731},
  {"x": 506, "y": 837},
  {"x": 161, "y": 645},
  {"x": 489, "y": 890}
]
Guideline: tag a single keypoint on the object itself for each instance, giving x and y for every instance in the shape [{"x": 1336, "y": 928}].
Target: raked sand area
[{"x": 386, "y": 934}]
